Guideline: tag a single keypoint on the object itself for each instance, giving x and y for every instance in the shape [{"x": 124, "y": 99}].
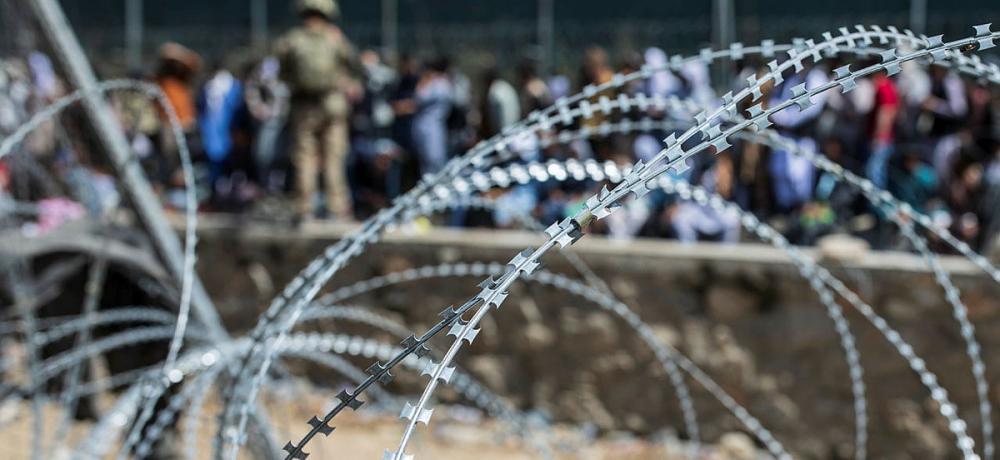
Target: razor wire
[
  {"x": 95, "y": 444},
  {"x": 190, "y": 238},
  {"x": 666, "y": 355},
  {"x": 878, "y": 197},
  {"x": 811, "y": 270},
  {"x": 53, "y": 328},
  {"x": 321, "y": 308},
  {"x": 93, "y": 288},
  {"x": 488, "y": 147},
  {"x": 23, "y": 293},
  {"x": 251, "y": 392},
  {"x": 59, "y": 363},
  {"x": 611, "y": 172},
  {"x": 816, "y": 276},
  {"x": 604, "y": 203},
  {"x": 538, "y": 119},
  {"x": 674, "y": 159},
  {"x": 299, "y": 345},
  {"x": 834, "y": 311},
  {"x": 475, "y": 391},
  {"x": 896, "y": 211}
]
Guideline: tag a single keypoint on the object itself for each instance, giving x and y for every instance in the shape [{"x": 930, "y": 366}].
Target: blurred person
[
  {"x": 792, "y": 175},
  {"x": 13, "y": 97},
  {"x": 220, "y": 98},
  {"x": 499, "y": 108},
  {"x": 375, "y": 115},
  {"x": 847, "y": 121},
  {"x": 461, "y": 132},
  {"x": 499, "y": 105},
  {"x": 882, "y": 129},
  {"x": 596, "y": 69},
  {"x": 376, "y": 167},
  {"x": 266, "y": 99},
  {"x": 914, "y": 182},
  {"x": 175, "y": 74},
  {"x": 698, "y": 84},
  {"x": 831, "y": 191},
  {"x": 966, "y": 197},
  {"x": 47, "y": 85},
  {"x": 943, "y": 111},
  {"x": 594, "y": 72},
  {"x": 432, "y": 100},
  {"x": 533, "y": 91},
  {"x": 630, "y": 64},
  {"x": 403, "y": 101},
  {"x": 628, "y": 221},
  {"x": 981, "y": 124},
  {"x": 692, "y": 221},
  {"x": 661, "y": 84},
  {"x": 317, "y": 63},
  {"x": 560, "y": 86}
]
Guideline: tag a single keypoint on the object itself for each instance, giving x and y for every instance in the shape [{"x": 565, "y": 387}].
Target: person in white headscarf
[
  {"x": 793, "y": 175},
  {"x": 661, "y": 84},
  {"x": 699, "y": 84}
]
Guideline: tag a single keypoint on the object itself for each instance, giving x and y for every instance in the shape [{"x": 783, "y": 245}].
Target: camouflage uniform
[{"x": 316, "y": 63}]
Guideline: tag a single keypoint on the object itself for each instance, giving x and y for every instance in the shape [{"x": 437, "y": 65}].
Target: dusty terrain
[{"x": 457, "y": 433}]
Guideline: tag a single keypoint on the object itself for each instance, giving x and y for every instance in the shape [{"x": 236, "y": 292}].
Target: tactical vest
[{"x": 311, "y": 66}]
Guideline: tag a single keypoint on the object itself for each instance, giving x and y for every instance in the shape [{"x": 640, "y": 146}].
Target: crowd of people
[{"x": 340, "y": 133}]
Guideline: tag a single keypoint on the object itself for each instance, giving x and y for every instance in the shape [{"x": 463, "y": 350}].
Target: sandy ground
[{"x": 454, "y": 434}]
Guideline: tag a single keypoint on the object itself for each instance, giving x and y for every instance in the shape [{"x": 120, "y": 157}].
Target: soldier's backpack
[{"x": 311, "y": 65}]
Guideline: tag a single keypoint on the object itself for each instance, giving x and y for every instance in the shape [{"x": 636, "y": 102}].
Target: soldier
[{"x": 317, "y": 62}]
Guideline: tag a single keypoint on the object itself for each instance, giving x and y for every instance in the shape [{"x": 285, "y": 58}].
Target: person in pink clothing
[{"x": 882, "y": 129}]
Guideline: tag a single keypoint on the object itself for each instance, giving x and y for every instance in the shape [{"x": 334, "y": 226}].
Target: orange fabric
[{"x": 180, "y": 97}]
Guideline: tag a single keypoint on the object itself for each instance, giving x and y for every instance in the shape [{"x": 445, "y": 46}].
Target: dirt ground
[{"x": 456, "y": 433}]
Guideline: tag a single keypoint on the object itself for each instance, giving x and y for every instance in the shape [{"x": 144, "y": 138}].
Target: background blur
[{"x": 560, "y": 28}]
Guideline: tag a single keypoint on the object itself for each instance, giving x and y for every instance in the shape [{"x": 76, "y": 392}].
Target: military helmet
[{"x": 327, "y": 8}]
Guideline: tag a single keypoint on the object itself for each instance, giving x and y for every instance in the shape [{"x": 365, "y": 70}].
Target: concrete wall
[{"x": 742, "y": 313}]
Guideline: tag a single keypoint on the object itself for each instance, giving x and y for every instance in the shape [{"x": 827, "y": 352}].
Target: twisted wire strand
[
  {"x": 96, "y": 443},
  {"x": 190, "y": 237},
  {"x": 896, "y": 211},
  {"x": 23, "y": 293},
  {"x": 496, "y": 405},
  {"x": 852, "y": 356},
  {"x": 673, "y": 159},
  {"x": 93, "y": 289},
  {"x": 298, "y": 345},
  {"x": 809, "y": 270},
  {"x": 473, "y": 158},
  {"x": 59, "y": 363},
  {"x": 308, "y": 282},
  {"x": 665, "y": 354}
]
